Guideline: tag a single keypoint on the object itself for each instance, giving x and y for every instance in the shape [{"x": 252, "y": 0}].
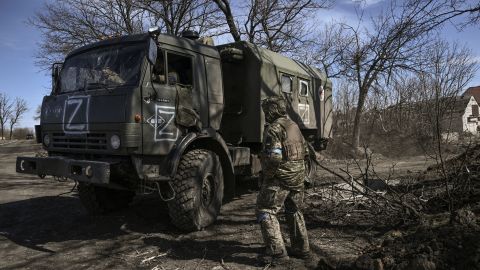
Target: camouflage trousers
[{"x": 270, "y": 200}]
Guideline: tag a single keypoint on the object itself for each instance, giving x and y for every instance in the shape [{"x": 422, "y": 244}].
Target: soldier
[{"x": 283, "y": 154}]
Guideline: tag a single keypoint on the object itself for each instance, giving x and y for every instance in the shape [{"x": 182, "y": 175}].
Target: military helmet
[{"x": 274, "y": 107}]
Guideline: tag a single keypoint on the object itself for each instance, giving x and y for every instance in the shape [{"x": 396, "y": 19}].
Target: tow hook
[
  {"x": 163, "y": 188},
  {"x": 166, "y": 197}
]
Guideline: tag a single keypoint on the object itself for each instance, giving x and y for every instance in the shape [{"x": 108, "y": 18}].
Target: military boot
[
  {"x": 281, "y": 260},
  {"x": 309, "y": 258}
]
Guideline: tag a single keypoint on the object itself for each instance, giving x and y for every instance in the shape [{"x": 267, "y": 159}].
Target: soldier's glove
[{"x": 308, "y": 183}]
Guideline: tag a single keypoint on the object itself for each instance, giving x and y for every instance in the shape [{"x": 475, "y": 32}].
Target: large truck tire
[
  {"x": 101, "y": 200},
  {"x": 198, "y": 187}
]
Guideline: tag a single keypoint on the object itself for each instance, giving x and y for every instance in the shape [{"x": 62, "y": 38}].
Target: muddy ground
[{"x": 43, "y": 226}]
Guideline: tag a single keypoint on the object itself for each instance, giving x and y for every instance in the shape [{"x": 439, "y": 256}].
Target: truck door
[
  {"x": 159, "y": 131},
  {"x": 167, "y": 102}
]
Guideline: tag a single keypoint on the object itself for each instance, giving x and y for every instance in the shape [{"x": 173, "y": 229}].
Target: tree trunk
[
  {"x": 358, "y": 115},
  {"x": 224, "y": 6},
  {"x": 11, "y": 132}
]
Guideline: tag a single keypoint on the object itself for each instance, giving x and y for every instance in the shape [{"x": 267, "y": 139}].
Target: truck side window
[
  {"x": 304, "y": 85},
  {"x": 179, "y": 69},
  {"x": 158, "y": 75},
  {"x": 286, "y": 82}
]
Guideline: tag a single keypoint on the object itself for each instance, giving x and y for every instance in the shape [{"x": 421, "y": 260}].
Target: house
[
  {"x": 458, "y": 115},
  {"x": 462, "y": 115},
  {"x": 472, "y": 109}
]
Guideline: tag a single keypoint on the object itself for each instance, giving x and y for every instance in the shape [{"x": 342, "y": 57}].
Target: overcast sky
[{"x": 19, "y": 77}]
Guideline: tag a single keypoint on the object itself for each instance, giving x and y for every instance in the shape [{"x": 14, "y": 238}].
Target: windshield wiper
[
  {"x": 92, "y": 86},
  {"x": 95, "y": 85},
  {"x": 76, "y": 90}
]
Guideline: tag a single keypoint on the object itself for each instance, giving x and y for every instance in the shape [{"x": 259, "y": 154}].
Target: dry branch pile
[{"x": 426, "y": 223}]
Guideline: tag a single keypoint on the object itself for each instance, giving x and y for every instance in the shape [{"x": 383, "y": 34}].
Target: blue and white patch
[
  {"x": 261, "y": 217},
  {"x": 275, "y": 152}
]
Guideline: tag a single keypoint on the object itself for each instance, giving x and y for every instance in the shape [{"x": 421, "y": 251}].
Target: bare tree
[
  {"x": 328, "y": 48},
  {"x": 19, "y": 108},
  {"x": 343, "y": 101},
  {"x": 445, "y": 75},
  {"x": 224, "y": 6},
  {"x": 5, "y": 112},
  {"x": 174, "y": 16},
  {"x": 279, "y": 25},
  {"x": 392, "y": 45},
  {"x": 392, "y": 42},
  {"x": 68, "y": 24},
  {"x": 469, "y": 9}
]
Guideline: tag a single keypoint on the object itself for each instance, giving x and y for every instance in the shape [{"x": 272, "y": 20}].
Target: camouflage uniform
[{"x": 283, "y": 153}]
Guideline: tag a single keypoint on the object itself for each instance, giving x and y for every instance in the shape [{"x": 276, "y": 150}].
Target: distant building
[
  {"x": 458, "y": 114},
  {"x": 463, "y": 115},
  {"x": 472, "y": 108}
]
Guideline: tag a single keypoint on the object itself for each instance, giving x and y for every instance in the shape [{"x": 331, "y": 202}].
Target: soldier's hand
[{"x": 308, "y": 183}]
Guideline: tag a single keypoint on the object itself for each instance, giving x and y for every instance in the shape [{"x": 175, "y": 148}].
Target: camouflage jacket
[{"x": 276, "y": 169}]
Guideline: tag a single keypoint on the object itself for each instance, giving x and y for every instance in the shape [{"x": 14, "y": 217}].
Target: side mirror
[
  {"x": 154, "y": 31},
  {"x": 152, "y": 51},
  {"x": 56, "y": 69}
]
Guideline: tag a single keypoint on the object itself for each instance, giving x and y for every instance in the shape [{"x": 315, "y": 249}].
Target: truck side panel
[{"x": 215, "y": 91}]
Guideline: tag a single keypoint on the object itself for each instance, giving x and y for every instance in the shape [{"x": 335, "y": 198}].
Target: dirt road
[{"x": 43, "y": 226}]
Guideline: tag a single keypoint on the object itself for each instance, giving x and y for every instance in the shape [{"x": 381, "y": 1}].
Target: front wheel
[{"x": 198, "y": 187}]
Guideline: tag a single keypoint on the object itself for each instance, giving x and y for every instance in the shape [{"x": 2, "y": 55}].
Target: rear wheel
[
  {"x": 101, "y": 200},
  {"x": 198, "y": 187}
]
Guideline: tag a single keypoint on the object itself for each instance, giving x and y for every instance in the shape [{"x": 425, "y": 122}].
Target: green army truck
[{"x": 154, "y": 113}]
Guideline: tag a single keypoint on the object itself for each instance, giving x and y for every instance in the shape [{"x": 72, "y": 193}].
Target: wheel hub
[{"x": 208, "y": 189}]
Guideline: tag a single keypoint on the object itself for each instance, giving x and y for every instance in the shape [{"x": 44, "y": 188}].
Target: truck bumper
[{"x": 80, "y": 170}]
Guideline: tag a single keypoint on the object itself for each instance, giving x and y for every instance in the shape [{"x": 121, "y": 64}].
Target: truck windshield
[{"x": 106, "y": 67}]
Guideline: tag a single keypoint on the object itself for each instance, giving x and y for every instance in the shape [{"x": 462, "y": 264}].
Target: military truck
[{"x": 155, "y": 113}]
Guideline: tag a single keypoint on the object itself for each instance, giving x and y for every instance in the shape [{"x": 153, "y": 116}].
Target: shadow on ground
[{"x": 55, "y": 227}]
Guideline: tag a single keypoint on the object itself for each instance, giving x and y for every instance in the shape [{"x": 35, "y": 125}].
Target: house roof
[
  {"x": 454, "y": 104},
  {"x": 459, "y": 105},
  {"x": 473, "y": 91}
]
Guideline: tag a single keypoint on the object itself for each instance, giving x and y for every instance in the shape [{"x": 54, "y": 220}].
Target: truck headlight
[
  {"x": 115, "y": 142},
  {"x": 46, "y": 140}
]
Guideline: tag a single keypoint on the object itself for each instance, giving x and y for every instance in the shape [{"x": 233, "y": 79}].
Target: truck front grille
[{"x": 93, "y": 141}]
